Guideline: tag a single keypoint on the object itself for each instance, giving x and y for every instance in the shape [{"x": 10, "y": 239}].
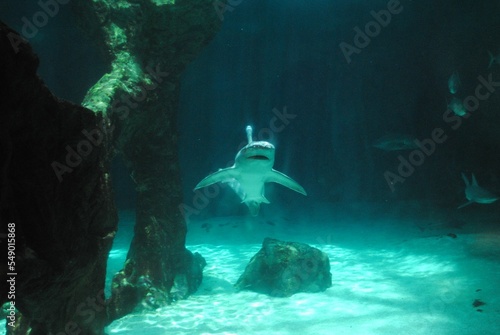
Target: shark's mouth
[{"x": 259, "y": 157}]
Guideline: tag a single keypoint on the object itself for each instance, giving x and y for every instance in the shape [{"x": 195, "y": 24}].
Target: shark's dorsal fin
[
  {"x": 281, "y": 178},
  {"x": 474, "y": 181},
  {"x": 249, "y": 131},
  {"x": 220, "y": 176},
  {"x": 466, "y": 181}
]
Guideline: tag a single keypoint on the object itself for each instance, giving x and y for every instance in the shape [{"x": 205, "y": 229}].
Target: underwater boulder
[{"x": 281, "y": 269}]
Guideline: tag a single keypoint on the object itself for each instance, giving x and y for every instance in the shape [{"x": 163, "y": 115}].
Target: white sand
[{"x": 389, "y": 277}]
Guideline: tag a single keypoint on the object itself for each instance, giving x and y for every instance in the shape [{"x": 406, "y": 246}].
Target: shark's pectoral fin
[
  {"x": 281, "y": 178},
  {"x": 220, "y": 176},
  {"x": 466, "y": 204}
]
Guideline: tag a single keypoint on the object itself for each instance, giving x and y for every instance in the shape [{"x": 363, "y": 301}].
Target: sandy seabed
[{"x": 392, "y": 274}]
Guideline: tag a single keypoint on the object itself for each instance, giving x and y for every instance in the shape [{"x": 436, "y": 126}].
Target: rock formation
[
  {"x": 281, "y": 269},
  {"x": 149, "y": 43},
  {"x": 55, "y": 190},
  {"x": 55, "y": 184}
]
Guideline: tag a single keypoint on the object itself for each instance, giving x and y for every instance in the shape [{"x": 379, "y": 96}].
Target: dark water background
[{"x": 277, "y": 55}]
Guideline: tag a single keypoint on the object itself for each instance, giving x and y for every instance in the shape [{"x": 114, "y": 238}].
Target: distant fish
[
  {"x": 493, "y": 59},
  {"x": 395, "y": 142},
  {"x": 206, "y": 226},
  {"x": 457, "y": 106},
  {"x": 454, "y": 82},
  {"x": 476, "y": 194}
]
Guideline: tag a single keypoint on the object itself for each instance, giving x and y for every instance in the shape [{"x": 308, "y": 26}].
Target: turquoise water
[
  {"x": 391, "y": 275},
  {"x": 377, "y": 109}
]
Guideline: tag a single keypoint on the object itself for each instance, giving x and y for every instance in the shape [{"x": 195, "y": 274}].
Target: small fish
[
  {"x": 454, "y": 82},
  {"x": 206, "y": 226},
  {"x": 477, "y": 303},
  {"x": 395, "y": 142},
  {"x": 457, "y": 106},
  {"x": 493, "y": 59}
]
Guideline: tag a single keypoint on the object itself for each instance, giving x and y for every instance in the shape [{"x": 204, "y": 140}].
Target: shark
[
  {"x": 493, "y": 59},
  {"x": 395, "y": 142},
  {"x": 252, "y": 169},
  {"x": 476, "y": 194}
]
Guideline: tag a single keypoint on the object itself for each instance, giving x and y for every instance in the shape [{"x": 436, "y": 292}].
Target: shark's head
[
  {"x": 260, "y": 153},
  {"x": 255, "y": 153}
]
